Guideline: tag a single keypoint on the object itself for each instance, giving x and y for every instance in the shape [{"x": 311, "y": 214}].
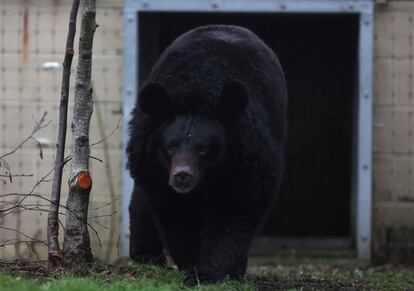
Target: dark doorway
[{"x": 318, "y": 53}]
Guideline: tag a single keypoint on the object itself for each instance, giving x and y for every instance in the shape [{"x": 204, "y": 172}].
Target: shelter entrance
[{"x": 318, "y": 53}]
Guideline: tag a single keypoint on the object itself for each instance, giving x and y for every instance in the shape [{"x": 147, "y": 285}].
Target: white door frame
[{"x": 362, "y": 169}]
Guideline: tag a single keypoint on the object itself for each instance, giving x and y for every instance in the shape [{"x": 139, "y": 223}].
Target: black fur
[{"x": 216, "y": 77}]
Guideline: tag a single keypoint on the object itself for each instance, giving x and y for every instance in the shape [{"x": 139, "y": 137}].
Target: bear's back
[
  {"x": 216, "y": 35},
  {"x": 216, "y": 50},
  {"x": 200, "y": 61}
]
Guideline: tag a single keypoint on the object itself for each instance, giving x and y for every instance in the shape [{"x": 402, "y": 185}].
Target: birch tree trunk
[
  {"x": 55, "y": 254},
  {"x": 76, "y": 246}
]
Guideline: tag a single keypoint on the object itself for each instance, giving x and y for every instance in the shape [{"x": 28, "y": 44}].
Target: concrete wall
[
  {"x": 393, "y": 176},
  {"x": 31, "y": 34}
]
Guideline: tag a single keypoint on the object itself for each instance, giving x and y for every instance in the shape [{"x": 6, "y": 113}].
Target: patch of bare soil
[
  {"x": 39, "y": 270},
  {"x": 35, "y": 270},
  {"x": 267, "y": 284}
]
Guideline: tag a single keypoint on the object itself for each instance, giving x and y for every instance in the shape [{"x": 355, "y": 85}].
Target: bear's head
[{"x": 191, "y": 145}]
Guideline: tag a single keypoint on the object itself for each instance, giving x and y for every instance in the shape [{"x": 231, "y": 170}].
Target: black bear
[{"x": 206, "y": 152}]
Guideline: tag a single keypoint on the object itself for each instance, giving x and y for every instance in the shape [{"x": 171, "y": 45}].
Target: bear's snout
[
  {"x": 182, "y": 179},
  {"x": 183, "y": 175}
]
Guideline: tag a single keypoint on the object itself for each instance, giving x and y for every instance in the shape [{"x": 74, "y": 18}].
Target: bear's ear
[
  {"x": 233, "y": 100},
  {"x": 155, "y": 101}
]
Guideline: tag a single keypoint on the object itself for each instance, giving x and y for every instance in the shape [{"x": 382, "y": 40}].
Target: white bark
[{"x": 76, "y": 246}]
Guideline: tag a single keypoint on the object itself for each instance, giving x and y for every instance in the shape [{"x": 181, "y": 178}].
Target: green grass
[
  {"x": 119, "y": 278},
  {"x": 281, "y": 272}
]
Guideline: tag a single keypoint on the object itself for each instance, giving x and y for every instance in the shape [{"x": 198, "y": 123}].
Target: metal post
[
  {"x": 364, "y": 137},
  {"x": 130, "y": 93}
]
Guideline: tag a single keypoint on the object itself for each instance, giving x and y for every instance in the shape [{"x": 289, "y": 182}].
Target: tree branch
[
  {"x": 38, "y": 126},
  {"x": 55, "y": 253}
]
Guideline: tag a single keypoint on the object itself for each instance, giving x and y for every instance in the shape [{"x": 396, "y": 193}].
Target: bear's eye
[{"x": 201, "y": 150}]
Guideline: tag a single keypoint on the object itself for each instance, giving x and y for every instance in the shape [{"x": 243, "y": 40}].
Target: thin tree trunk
[
  {"x": 76, "y": 246},
  {"x": 55, "y": 253}
]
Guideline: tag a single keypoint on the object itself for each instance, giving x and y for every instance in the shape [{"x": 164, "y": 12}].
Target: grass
[
  {"x": 328, "y": 271},
  {"x": 124, "y": 277},
  {"x": 282, "y": 272}
]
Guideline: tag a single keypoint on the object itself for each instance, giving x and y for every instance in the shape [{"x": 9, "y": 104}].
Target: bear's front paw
[{"x": 194, "y": 278}]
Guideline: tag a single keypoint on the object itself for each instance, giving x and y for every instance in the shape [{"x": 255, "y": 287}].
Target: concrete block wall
[
  {"x": 33, "y": 33},
  {"x": 393, "y": 144}
]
